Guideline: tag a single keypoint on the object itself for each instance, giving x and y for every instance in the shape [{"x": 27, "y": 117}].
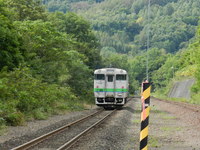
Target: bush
[
  {"x": 2, "y": 122},
  {"x": 15, "y": 119},
  {"x": 23, "y": 95}
]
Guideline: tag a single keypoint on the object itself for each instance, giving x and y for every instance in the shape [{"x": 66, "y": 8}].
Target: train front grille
[{"x": 109, "y": 99}]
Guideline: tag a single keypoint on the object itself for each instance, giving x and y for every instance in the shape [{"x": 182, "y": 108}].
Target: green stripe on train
[{"x": 110, "y": 90}]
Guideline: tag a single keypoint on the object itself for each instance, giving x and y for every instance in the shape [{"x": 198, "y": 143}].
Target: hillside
[{"x": 121, "y": 25}]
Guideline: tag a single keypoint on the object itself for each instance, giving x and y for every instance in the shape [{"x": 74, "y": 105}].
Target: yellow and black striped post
[{"x": 145, "y": 97}]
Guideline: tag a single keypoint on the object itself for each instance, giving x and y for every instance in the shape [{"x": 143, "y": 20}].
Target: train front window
[
  {"x": 99, "y": 77},
  {"x": 110, "y": 78},
  {"x": 120, "y": 77}
]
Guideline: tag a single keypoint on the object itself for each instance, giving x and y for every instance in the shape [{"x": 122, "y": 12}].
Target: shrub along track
[{"x": 71, "y": 132}]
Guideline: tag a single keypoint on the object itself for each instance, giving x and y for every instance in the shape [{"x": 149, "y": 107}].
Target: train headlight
[{"x": 119, "y": 100}]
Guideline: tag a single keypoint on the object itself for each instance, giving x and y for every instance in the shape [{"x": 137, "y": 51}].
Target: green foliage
[
  {"x": 184, "y": 64},
  {"x": 78, "y": 27},
  {"x": 45, "y": 65},
  {"x": 123, "y": 24},
  {"x": 165, "y": 36},
  {"x": 115, "y": 60},
  {"x": 23, "y": 94},
  {"x": 162, "y": 76},
  {"x": 46, "y": 50},
  {"x": 80, "y": 30},
  {"x": 156, "y": 59},
  {"x": 173, "y": 23},
  {"x": 26, "y": 10},
  {"x": 193, "y": 56},
  {"x": 15, "y": 119},
  {"x": 54, "y": 5},
  {"x": 2, "y": 122},
  {"x": 51, "y": 56},
  {"x": 10, "y": 55}
]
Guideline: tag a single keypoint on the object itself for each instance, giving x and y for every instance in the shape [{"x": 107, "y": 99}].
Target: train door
[{"x": 110, "y": 85}]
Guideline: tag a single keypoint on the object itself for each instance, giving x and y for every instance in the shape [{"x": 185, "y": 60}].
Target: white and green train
[{"x": 110, "y": 87}]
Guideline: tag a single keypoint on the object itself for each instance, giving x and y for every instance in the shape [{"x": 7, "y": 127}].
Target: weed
[
  {"x": 2, "y": 129},
  {"x": 170, "y": 129},
  {"x": 38, "y": 114},
  {"x": 136, "y": 121},
  {"x": 168, "y": 117},
  {"x": 153, "y": 142}
]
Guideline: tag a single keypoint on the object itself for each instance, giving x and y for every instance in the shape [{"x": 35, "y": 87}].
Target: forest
[
  {"x": 50, "y": 48},
  {"x": 122, "y": 25}
]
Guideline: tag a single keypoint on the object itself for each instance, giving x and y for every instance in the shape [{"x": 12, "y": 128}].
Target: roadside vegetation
[{"x": 46, "y": 62}]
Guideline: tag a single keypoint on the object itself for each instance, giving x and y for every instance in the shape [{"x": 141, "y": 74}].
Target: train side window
[
  {"x": 110, "y": 78},
  {"x": 120, "y": 77},
  {"x": 99, "y": 77}
]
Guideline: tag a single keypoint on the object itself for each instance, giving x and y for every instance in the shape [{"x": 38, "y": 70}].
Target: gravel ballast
[{"x": 21, "y": 134}]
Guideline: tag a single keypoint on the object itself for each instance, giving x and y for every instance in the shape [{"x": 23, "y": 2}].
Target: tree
[
  {"x": 45, "y": 49},
  {"x": 10, "y": 54},
  {"x": 80, "y": 30},
  {"x": 26, "y": 9}
]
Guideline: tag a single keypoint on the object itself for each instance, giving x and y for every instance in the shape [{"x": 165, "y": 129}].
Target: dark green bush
[{"x": 15, "y": 119}]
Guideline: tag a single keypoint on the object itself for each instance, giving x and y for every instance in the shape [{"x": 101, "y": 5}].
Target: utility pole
[{"x": 148, "y": 41}]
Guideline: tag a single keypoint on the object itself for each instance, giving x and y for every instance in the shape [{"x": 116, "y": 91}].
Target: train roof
[{"x": 110, "y": 71}]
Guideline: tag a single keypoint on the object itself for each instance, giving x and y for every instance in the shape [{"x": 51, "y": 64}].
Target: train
[{"x": 111, "y": 87}]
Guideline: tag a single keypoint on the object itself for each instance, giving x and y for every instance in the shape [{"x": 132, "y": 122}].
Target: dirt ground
[{"x": 171, "y": 127}]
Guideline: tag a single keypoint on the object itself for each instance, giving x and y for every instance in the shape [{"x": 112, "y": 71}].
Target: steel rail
[
  {"x": 45, "y": 136},
  {"x": 73, "y": 140}
]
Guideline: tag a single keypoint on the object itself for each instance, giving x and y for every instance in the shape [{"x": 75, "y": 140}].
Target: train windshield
[
  {"x": 99, "y": 77},
  {"x": 121, "y": 77},
  {"x": 110, "y": 78}
]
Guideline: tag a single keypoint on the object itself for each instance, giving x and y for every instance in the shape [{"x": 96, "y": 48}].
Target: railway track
[
  {"x": 192, "y": 107},
  {"x": 66, "y": 136}
]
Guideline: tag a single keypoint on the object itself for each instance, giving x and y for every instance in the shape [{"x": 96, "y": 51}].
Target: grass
[
  {"x": 168, "y": 117},
  {"x": 195, "y": 98},
  {"x": 162, "y": 113},
  {"x": 39, "y": 115},
  {"x": 153, "y": 142},
  {"x": 3, "y": 129},
  {"x": 170, "y": 128},
  {"x": 136, "y": 121}
]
